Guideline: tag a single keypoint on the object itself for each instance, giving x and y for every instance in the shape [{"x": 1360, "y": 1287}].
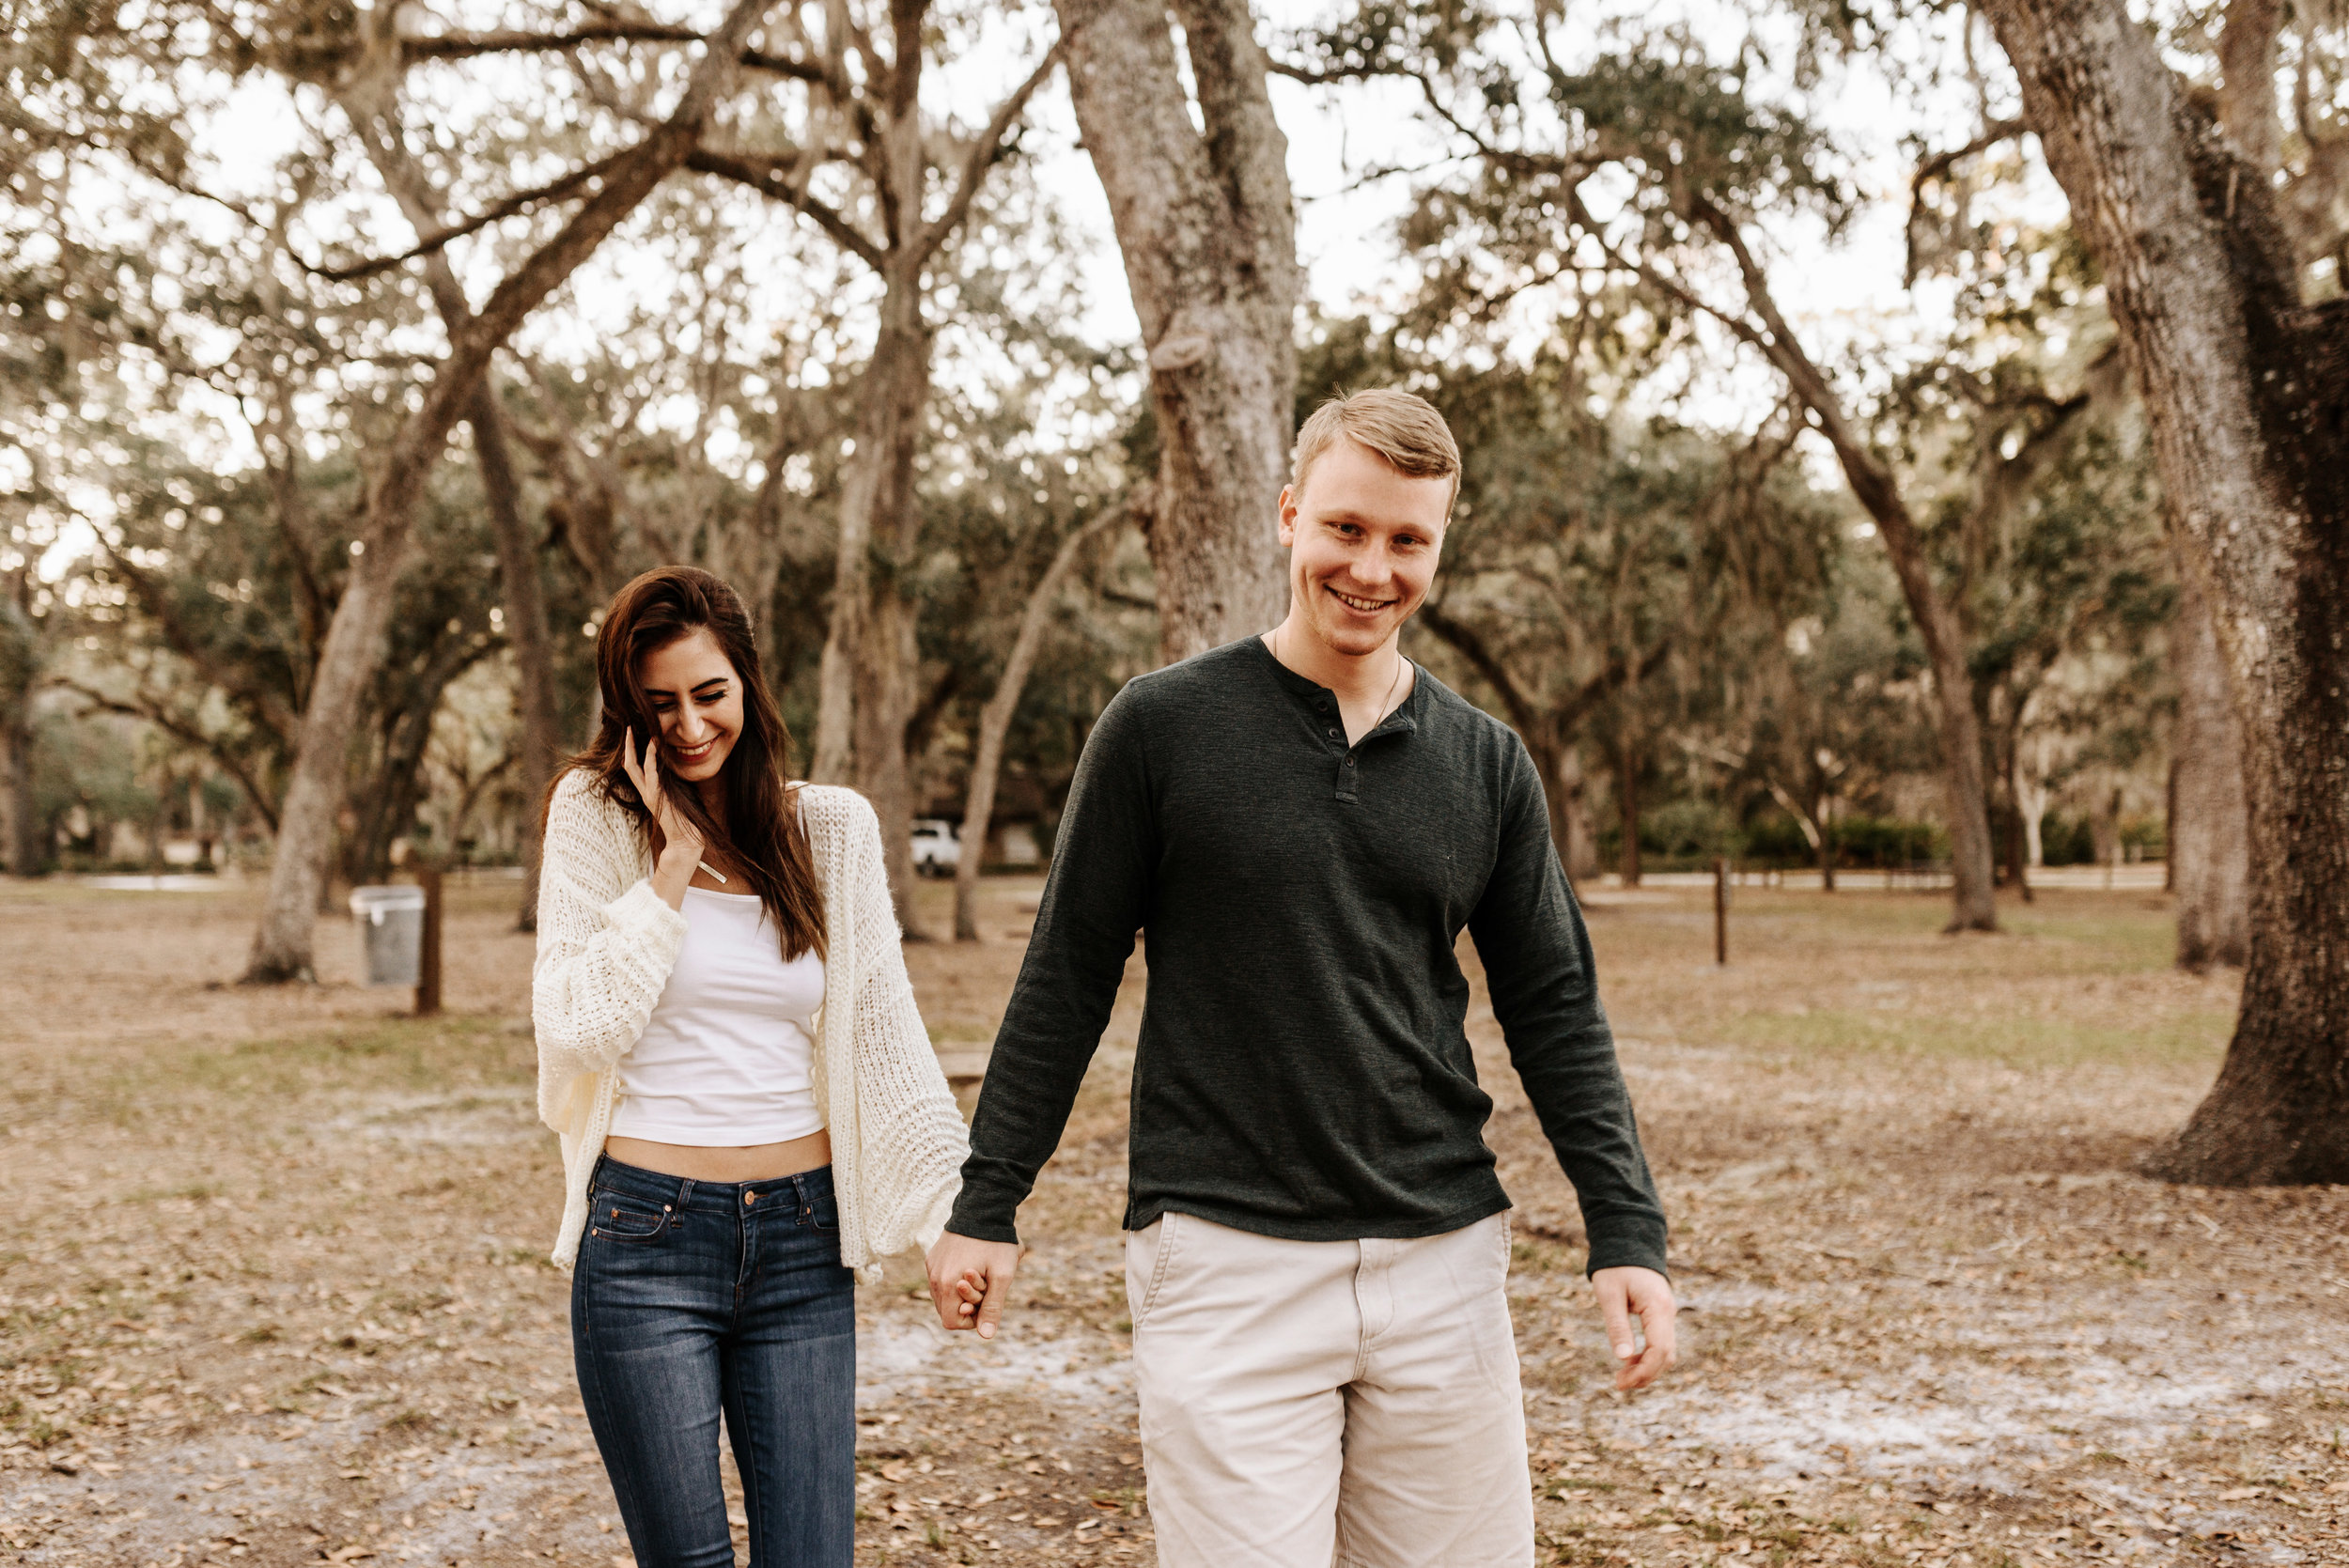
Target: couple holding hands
[{"x": 1298, "y": 825}]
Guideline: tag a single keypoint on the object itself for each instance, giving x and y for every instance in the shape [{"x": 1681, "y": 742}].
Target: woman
[{"x": 749, "y": 1104}]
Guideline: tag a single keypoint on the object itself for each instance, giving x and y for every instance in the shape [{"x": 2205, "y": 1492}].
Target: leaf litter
[{"x": 277, "y": 1293}]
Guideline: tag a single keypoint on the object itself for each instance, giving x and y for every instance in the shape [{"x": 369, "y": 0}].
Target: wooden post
[
  {"x": 1721, "y": 909},
  {"x": 429, "y": 954}
]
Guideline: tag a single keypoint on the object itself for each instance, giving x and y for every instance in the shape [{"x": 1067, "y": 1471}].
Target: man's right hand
[{"x": 969, "y": 1280}]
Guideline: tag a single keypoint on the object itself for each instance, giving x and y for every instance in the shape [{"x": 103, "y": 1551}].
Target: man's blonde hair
[{"x": 1400, "y": 427}]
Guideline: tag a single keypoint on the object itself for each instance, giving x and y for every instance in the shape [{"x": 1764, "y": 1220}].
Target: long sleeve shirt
[{"x": 1303, "y": 1069}]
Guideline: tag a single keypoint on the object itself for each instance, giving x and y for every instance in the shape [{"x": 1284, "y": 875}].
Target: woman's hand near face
[{"x": 680, "y": 841}]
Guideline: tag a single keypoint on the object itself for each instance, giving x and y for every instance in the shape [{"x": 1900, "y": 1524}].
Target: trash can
[{"x": 391, "y": 932}]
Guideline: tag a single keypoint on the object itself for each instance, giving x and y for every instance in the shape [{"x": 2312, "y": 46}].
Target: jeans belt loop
[{"x": 684, "y": 1197}]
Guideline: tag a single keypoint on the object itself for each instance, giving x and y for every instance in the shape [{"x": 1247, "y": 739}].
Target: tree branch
[
  {"x": 1470, "y": 644},
  {"x": 518, "y": 202},
  {"x": 457, "y": 46},
  {"x": 985, "y": 150},
  {"x": 282, "y": 720},
  {"x": 183, "y": 731},
  {"x": 1941, "y": 164},
  {"x": 769, "y": 174}
]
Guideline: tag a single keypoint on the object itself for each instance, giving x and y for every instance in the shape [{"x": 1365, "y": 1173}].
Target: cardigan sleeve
[
  {"x": 910, "y": 1134},
  {"x": 605, "y": 946}
]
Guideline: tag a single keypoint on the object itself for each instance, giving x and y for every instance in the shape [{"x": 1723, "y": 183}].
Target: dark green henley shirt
[{"x": 1304, "y": 1070}]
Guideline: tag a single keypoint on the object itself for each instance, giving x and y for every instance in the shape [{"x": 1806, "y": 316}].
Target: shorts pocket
[
  {"x": 614, "y": 1217},
  {"x": 824, "y": 1213}
]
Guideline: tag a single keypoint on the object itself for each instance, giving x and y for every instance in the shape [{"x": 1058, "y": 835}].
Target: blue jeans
[{"x": 696, "y": 1297}]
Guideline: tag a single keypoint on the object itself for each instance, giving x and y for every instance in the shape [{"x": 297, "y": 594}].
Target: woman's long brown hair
[{"x": 762, "y": 833}]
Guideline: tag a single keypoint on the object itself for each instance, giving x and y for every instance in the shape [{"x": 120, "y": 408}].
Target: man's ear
[{"x": 1288, "y": 516}]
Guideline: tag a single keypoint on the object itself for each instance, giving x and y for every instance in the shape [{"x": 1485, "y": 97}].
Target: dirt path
[{"x": 274, "y": 1288}]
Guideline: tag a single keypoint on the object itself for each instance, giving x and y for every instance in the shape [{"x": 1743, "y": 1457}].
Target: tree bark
[
  {"x": 27, "y": 851},
  {"x": 20, "y": 667},
  {"x": 2247, "y": 394},
  {"x": 1206, "y": 224},
  {"x": 2210, "y": 848},
  {"x": 871, "y": 660},
  {"x": 354, "y": 637},
  {"x": 995, "y": 721}
]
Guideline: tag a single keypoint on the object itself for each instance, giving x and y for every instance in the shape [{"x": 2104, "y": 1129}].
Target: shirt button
[{"x": 1334, "y": 734}]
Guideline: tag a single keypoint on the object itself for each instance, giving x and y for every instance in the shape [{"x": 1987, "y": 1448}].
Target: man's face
[{"x": 1363, "y": 542}]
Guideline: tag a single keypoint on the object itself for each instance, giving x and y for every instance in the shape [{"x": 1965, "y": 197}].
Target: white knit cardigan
[{"x": 606, "y": 944}]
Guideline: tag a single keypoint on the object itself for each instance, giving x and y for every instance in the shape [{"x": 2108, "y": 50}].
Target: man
[{"x": 1300, "y": 824}]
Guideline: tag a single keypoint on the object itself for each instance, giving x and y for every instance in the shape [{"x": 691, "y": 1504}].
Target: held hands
[
  {"x": 969, "y": 1280},
  {"x": 1625, "y": 1294},
  {"x": 680, "y": 841}
]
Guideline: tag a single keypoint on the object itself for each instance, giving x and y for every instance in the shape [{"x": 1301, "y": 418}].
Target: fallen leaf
[
  {"x": 2240, "y": 1494},
  {"x": 350, "y": 1554}
]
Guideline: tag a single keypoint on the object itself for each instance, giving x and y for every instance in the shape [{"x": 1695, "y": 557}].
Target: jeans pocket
[
  {"x": 615, "y": 1217},
  {"x": 824, "y": 1214}
]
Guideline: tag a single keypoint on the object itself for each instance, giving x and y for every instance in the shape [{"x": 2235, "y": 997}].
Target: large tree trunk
[
  {"x": 354, "y": 637},
  {"x": 1560, "y": 764},
  {"x": 2210, "y": 828},
  {"x": 523, "y": 593},
  {"x": 871, "y": 659},
  {"x": 995, "y": 722},
  {"x": 2243, "y": 390},
  {"x": 27, "y": 846},
  {"x": 1207, "y": 227},
  {"x": 20, "y": 667},
  {"x": 1876, "y": 487}
]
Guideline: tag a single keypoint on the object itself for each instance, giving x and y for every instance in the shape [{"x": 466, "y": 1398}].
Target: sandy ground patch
[{"x": 274, "y": 1288}]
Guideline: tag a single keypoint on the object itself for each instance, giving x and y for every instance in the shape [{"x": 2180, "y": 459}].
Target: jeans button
[{"x": 750, "y": 1198}]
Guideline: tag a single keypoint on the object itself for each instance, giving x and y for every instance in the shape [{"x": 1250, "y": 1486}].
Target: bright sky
[{"x": 1840, "y": 295}]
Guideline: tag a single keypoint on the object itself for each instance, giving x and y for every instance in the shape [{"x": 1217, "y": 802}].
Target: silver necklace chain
[{"x": 1386, "y": 704}]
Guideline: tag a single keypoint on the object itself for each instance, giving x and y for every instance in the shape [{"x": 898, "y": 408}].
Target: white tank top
[{"x": 727, "y": 1058}]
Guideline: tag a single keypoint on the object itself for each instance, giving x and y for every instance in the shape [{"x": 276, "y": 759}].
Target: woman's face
[{"x": 696, "y": 699}]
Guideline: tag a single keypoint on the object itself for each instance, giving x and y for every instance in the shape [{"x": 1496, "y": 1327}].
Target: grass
[
  {"x": 2018, "y": 1041},
  {"x": 446, "y": 1055}
]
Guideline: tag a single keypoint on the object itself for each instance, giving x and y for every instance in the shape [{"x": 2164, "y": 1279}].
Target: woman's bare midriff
[{"x": 760, "y": 1162}]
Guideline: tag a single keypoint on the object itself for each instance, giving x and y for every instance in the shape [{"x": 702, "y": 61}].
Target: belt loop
[{"x": 684, "y": 1195}]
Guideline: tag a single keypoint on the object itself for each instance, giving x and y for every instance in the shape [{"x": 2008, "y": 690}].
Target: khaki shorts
[{"x": 1315, "y": 1402}]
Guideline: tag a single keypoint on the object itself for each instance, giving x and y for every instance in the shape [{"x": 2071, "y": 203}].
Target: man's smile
[{"x": 1364, "y": 606}]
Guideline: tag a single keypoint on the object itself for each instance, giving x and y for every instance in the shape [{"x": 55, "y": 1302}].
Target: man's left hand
[{"x": 1625, "y": 1294}]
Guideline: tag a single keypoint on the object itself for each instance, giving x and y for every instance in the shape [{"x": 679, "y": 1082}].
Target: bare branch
[
  {"x": 985, "y": 150},
  {"x": 457, "y": 46},
  {"x": 1470, "y": 646},
  {"x": 770, "y": 175},
  {"x": 584, "y": 176},
  {"x": 1941, "y": 163}
]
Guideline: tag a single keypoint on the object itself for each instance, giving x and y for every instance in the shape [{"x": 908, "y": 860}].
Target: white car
[{"x": 936, "y": 849}]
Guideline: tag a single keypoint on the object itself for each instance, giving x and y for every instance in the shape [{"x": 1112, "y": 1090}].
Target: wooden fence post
[{"x": 1721, "y": 909}]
